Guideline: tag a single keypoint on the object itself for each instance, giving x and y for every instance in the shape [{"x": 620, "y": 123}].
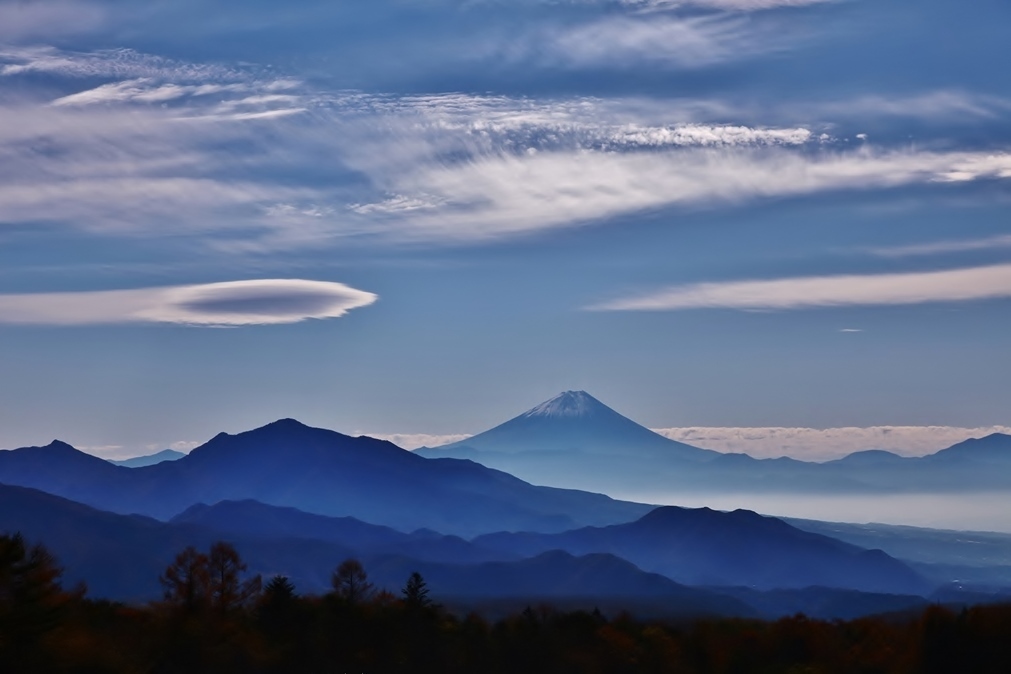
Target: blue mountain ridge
[
  {"x": 575, "y": 441},
  {"x": 286, "y": 463},
  {"x": 120, "y": 557},
  {"x": 709, "y": 547}
]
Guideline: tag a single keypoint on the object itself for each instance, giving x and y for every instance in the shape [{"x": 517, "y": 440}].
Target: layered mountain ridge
[
  {"x": 299, "y": 499},
  {"x": 121, "y": 556},
  {"x": 573, "y": 440},
  {"x": 286, "y": 463}
]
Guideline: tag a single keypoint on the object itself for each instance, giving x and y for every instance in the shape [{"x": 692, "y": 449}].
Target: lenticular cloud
[{"x": 233, "y": 303}]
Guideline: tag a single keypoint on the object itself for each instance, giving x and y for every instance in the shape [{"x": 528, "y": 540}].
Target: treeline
[{"x": 214, "y": 618}]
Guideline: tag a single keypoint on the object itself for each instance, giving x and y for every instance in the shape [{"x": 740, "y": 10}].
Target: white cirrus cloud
[
  {"x": 143, "y": 90},
  {"x": 724, "y": 5},
  {"x": 944, "y": 247},
  {"x": 942, "y": 104},
  {"x": 472, "y": 125},
  {"x": 143, "y": 171},
  {"x": 109, "y": 63},
  {"x": 617, "y": 41},
  {"x": 152, "y": 90},
  {"x": 699, "y": 135},
  {"x": 824, "y": 444},
  {"x": 955, "y": 285},
  {"x": 231, "y": 303},
  {"x": 654, "y": 33},
  {"x": 499, "y": 194},
  {"x": 112, "y": 160},
  {"x": 176, "y": 147},
  {"x": 664, "y": 5}
]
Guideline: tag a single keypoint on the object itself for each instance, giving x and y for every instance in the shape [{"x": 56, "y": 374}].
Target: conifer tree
[{"x": 416, "y": 592}]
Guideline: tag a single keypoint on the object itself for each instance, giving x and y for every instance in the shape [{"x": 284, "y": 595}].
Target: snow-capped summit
[
  {"x": 573, "y": 440},
  {"x": 568, "y": 404},
  {"x": 573, "y": 423}
]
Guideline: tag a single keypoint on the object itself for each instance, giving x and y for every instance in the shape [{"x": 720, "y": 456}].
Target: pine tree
[
  {"x": 31, "y": 598},
  {"x": 416, "y": 592}
]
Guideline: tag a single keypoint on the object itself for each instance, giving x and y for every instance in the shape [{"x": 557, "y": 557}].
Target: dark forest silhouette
[{"x": 215, "y": 619}]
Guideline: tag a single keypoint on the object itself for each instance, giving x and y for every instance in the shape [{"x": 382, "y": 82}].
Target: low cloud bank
[
  {"x": 824, "y": 444},
  {"x": 807, "y": 444},
  {"x": 416, "y": 440}
]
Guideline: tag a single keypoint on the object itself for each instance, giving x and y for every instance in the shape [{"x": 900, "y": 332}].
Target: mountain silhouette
[
  {"x": 574, "y": 439},
  {"x": 556, "y": 575},
  {"x": 149, "y": 459},
  {"x": 869, "y": 457},
  {"x": 577, "y": 442},
  {"x": 254, "y": 519},
  {"x": 121, "y": 556},
  {"x": 573, "y": 421},
  {"x": 991, "y": 449},
  {"x": 286, "y": 463},
  {"x": 709, "y": 547}
]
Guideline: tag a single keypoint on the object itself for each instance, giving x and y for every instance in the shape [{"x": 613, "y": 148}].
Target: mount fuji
[
  {"x": 572, "y": 421},
  {"x": 548, "y": 441}
]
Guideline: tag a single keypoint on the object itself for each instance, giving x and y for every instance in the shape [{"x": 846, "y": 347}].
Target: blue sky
[{"x": 425, "y": 216}]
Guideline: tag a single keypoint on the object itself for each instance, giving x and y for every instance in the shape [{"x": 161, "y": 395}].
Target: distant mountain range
[
  {"x": 252, "y": 519},
  {"x": 968, "y": 559},
  {"x": 289, "y": 464},
  {"x": 708, "y": 547},
  {"x": 297, "y": 500},
  {"x": 575, "y": 441},
  {"x": 149, "y": 459},
  {"x": 121, "y": 556}
]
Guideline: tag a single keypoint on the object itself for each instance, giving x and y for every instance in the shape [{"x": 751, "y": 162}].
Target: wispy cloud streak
[
  {"x": 169, "y": 146},
  {"x": 945, "y": 247},
  {"x": 501, "y": 194},
  {"x": 684, "y": 42},
  {"x": 726, "y": 5},
  {"x": 109, "y": 63},
  {"x": 957, "y": 285}
]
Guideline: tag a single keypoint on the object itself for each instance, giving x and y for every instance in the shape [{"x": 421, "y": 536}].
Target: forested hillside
[{"x": 214, "y": 618}]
